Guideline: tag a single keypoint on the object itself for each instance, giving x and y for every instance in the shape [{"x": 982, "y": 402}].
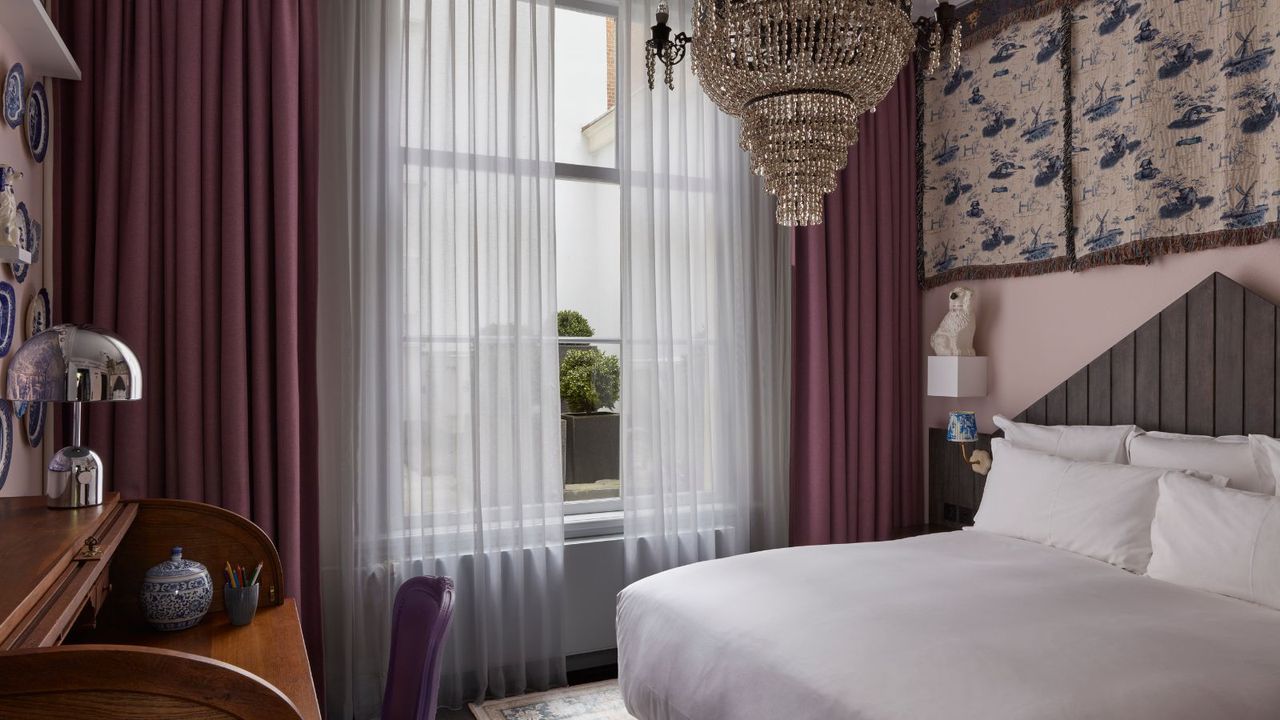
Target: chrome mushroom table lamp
[{"x": 75, "y": 364}]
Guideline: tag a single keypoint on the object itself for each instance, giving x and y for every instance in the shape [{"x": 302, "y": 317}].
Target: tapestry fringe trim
[
  {"x": 1144, "y": 251},
  {"x": 982, "y": 30},
  {"x": 1068, "y": 134},
  {"x": 1137, "y": 252},
  {"x": 997, "y": 272}
]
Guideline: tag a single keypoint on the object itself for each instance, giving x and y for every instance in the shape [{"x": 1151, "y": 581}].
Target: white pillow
[
  {"x": 1102, "y": 510},
  {"x": 1266, "y": 457},
  {"x": 1096, "y": 443},
  {"x": 1229, "y": 456},
  {"x": 1217, "y": 539}
]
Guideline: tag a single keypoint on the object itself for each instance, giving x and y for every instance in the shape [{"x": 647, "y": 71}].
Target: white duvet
[{"x": 956, "y": 625}]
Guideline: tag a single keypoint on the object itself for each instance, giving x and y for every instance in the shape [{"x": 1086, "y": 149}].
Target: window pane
[
  {"x": 584, "y": 88},
  {"x": 588, "y": 281},
  {"x": 590, "y": 425},
  {"x": 588, "y": 273}
]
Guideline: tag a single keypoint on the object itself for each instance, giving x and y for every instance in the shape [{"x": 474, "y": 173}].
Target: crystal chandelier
[{"x": 798, "y": 73}]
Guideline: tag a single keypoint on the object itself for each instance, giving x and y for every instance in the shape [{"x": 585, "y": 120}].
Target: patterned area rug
[{"x": 594, "y": 701}]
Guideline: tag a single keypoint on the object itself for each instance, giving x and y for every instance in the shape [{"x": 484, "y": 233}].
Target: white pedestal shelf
[
  {"x": 9, "y": 253},
  {"x": 957, "y": 376}
]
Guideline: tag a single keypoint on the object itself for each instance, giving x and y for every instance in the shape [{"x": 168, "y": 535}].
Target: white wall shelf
[
  {"x": 38, "y": 43},
  {"x": 9, "y": 253},
  {"x": 957, "y": 376}
]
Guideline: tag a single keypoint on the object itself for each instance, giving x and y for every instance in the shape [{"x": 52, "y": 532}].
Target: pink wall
[
  {"x": 26, "y": 469},
  {"x": 1037, "y": 331}
]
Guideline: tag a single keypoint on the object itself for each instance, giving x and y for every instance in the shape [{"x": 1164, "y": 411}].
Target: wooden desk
[
  {"x": 270, "y": 647},
  {"x": 73, "y": 637}
]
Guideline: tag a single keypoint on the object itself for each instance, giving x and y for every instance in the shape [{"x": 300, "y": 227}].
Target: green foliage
[
  {"x": 570, "y": 323},
  {"x": 589, "y": 380}
]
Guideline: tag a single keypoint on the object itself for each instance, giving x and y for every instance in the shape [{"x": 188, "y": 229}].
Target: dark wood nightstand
[{"x": 914, "y": 530}]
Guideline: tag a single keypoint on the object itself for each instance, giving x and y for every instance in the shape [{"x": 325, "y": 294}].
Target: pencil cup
[{"x": 241, "y": 603}]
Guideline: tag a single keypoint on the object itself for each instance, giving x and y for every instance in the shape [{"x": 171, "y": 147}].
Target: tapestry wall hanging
[
  {"x": 993, "y": 142},
  {"x": 1170, "y": 109}
]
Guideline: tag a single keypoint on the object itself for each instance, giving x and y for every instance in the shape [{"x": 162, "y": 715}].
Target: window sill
[{"x": 590, "y": 526}]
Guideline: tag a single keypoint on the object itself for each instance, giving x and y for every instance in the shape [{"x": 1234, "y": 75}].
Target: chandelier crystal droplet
[{"x": 798, "y": 73}]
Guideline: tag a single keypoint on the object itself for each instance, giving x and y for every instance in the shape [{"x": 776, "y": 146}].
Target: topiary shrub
[
  {"x": 571, "y": 323},
  {"x": 589, "y": 380}
]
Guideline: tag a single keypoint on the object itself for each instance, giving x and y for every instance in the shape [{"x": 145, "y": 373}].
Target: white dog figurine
[
  {"x": 955, "y": 335},
  {"x": 10, "y": 224}
]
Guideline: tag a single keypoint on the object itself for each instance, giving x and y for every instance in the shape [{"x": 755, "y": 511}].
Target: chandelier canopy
[{"x": 798, "y": 73}]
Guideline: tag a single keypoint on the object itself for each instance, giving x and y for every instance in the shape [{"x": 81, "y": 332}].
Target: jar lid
[{"x": 175, "y": 566}]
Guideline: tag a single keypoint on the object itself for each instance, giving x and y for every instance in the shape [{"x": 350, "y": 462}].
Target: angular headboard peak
[{"x": 1206, "y": 365}]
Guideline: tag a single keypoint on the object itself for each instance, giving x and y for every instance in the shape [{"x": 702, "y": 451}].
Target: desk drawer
[
  {"x": 94, "y": 600},
  {"x": 78, "y": 592}
]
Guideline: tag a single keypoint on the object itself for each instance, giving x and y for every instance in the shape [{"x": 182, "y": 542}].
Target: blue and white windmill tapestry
[
  {"x": 1176, "y": 145},
  {"x": 993, "y": 201},
  {"x": 1100, "y": 131}
]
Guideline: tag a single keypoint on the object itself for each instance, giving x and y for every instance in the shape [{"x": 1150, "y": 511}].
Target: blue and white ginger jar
[{"x": 176, "y": 593}]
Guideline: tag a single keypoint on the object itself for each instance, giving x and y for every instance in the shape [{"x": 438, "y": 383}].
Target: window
[
  {"x": 588, "y": 271},
  {"x": 587, "y": 223}
]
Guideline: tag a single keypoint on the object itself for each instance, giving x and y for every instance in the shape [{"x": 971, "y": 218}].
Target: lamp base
[{"x": 75, "y": 479}]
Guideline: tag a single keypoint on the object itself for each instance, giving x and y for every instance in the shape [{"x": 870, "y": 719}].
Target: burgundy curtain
[
  {"x": 856, "y": 450},
  {"x": 186, "y": 200}
]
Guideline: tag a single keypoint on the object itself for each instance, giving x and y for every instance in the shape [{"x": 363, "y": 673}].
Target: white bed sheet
[{"x": 953, "y": 625}]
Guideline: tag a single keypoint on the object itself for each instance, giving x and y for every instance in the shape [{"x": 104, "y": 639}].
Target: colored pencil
[{"x": 254, "y": 580}]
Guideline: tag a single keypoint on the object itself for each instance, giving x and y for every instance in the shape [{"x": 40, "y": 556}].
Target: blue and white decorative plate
[
  {"x": 37, "y": 240},
  {"x": 19, "y": 269},
  {"x": 6, "y": 440},
  {"x": 14, "y": 95},
  {"x": 37, "y": 123},
  {"x": 8, "y": 317}
]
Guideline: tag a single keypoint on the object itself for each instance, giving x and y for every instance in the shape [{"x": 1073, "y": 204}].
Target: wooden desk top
[
  {"x": 37, "y": 541},
  {"x": 270, "y": 647}
]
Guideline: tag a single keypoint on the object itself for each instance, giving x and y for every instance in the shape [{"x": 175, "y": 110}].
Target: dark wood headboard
[{"x": 1205, "y": 365}]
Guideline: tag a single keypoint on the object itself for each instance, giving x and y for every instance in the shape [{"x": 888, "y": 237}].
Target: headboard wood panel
[
  {"x": 1205, "y": 365},
  {"x": 1208, "y": 364}
]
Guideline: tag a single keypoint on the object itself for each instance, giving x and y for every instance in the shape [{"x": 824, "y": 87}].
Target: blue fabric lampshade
[{"x": 962, "y": 427}]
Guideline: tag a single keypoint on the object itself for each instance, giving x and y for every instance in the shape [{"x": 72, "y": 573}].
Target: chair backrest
[{"x": 419, "y": 621}]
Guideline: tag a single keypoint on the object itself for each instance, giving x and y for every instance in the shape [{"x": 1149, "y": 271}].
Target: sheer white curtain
[
  {"x": 438, "y": 377},
  {"x": 705, "y": 323}
]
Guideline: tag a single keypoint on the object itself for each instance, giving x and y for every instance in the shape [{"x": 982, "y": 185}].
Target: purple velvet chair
[{"x": 419, "y": 622}]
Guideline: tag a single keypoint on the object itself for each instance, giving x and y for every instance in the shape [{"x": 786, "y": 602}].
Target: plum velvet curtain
[
  {"x": 186, "y": 210},
  {"x": 856, "y": 457}
]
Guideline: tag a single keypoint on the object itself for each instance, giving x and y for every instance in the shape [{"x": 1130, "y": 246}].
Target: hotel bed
[
  {"x": 1036, "y": 617},
  {"x": 952, "y": 625}
]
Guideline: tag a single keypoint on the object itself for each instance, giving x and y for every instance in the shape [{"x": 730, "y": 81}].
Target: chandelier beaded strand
[{"x": 798, "y": 73}]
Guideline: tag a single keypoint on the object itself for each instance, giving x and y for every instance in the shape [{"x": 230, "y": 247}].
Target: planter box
[{"x": 591, "y": 447}]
